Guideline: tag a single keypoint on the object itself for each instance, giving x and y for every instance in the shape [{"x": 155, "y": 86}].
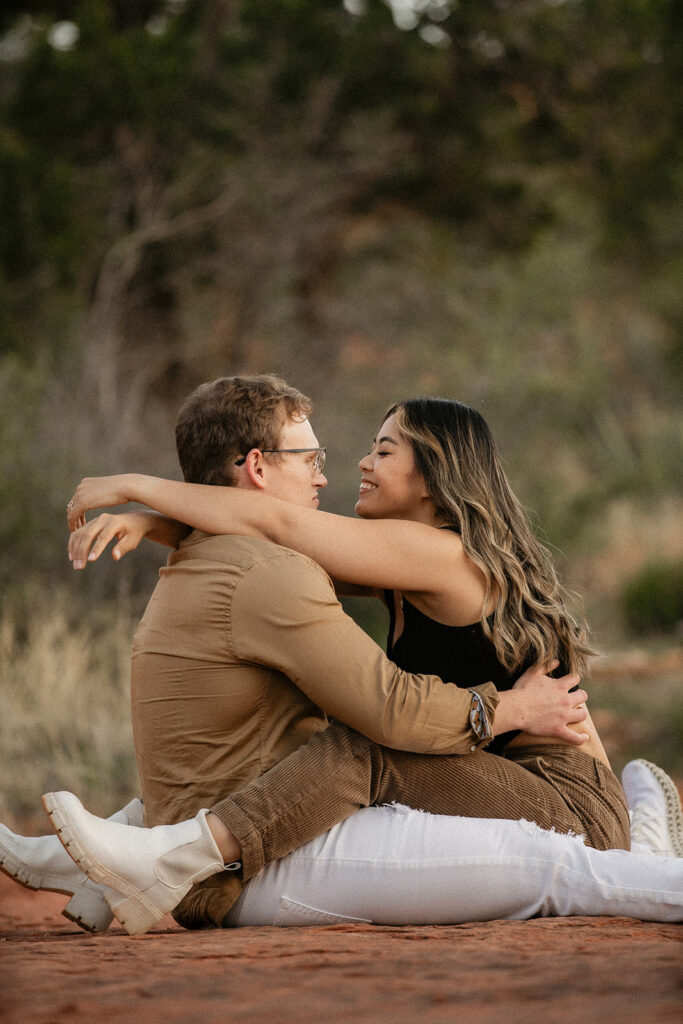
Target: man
[{"x": 243, "y": 645}]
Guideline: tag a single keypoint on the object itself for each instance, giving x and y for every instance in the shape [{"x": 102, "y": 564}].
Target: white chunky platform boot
[
  {"x": 42, "y": 863},
  {"x": 145, "y": 871}
]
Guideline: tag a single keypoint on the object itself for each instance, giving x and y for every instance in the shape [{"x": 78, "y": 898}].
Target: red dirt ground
[{"x": 554, "y": 971}]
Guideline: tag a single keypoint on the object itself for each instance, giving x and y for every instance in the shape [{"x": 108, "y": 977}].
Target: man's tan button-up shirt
[{"x": 241, "y": 654}]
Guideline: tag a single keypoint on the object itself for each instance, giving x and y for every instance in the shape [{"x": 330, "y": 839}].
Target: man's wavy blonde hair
[{"x": 457, "y": 456}]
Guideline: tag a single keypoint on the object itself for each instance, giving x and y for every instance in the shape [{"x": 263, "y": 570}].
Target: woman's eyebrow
[{"x": 384, "y": 439}]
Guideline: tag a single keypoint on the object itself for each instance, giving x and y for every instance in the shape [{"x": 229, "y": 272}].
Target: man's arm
[{"x": 285, "y": 615}]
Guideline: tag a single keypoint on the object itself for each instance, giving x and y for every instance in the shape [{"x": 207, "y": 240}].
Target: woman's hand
[
  {"x": 87, "y": 543},
  {"x": 98, "y": 492},
  {"x": 543, "y": 706}
]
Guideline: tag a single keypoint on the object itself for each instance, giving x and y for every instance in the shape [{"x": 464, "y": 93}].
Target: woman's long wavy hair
[{"x": 457, "y": 456}]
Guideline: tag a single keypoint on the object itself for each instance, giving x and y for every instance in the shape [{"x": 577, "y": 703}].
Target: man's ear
[{"x": 254, "y": 468}]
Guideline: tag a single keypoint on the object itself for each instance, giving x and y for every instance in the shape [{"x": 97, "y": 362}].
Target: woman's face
[{"x": 391, "y": 487}]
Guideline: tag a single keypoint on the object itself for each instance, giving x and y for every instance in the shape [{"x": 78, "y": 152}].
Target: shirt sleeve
[{"x": 285, "y": 615}]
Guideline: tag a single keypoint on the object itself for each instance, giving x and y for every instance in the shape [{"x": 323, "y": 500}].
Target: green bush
[{"x": 653, "y": 600}]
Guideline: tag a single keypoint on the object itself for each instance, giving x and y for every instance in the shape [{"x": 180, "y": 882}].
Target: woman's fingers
[{"x": 95, "y": 492}]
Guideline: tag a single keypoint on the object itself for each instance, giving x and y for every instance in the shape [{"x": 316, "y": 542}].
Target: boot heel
[
  {"x": 88, "y": 909},
  {"x": 134, "y": 913}
]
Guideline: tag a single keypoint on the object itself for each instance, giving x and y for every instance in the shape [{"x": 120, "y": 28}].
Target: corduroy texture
[{"x": 339, "y": 770}]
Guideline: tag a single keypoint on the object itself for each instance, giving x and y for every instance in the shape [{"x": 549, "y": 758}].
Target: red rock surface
[{"x": 588, "y": 970}]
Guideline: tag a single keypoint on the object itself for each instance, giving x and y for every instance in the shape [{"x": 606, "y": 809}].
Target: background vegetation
[{"x": 477, "y": 199}]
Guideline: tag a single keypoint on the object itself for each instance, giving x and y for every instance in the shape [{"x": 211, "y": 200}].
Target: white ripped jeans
[{"x": 396, "y": 866}]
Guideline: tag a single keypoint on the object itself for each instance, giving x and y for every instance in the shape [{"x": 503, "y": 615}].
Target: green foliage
[
  {"x": 477, "y": 199},
  {"x": 590, "y": 87},
  {"x": 480, "y": 203},
  {"x": 652, "y": 601}
]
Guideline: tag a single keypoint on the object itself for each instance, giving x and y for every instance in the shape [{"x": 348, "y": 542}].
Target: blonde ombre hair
[{"x": 457, "y": 456}]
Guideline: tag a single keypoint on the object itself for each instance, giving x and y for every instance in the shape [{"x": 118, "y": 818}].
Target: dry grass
[{"x": 64, "y": 693}]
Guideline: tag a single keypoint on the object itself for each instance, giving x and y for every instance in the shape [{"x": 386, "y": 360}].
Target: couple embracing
[{"x": 292, "y": 773}]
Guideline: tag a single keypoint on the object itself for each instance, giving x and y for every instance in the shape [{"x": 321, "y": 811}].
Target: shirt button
[{"x": 473, "y": 748}]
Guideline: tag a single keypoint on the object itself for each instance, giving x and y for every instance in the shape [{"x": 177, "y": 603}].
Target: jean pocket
[{"x": 291, "y": 913}]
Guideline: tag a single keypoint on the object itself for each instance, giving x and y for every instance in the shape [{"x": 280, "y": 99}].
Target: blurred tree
[{"x": 195, "y": 185}]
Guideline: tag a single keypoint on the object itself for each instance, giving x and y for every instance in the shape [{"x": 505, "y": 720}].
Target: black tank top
[{"x": 459, "y": 654}]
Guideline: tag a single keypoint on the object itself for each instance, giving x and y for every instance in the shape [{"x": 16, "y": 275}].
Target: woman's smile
[{"x": 398, "y": 489}]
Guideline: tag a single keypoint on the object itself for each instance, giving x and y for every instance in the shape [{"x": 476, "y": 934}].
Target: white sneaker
[
  {"x": 655, "y": 807},
  {"x": 41, "y": 862},
  {"x": 149, "y": 869}
]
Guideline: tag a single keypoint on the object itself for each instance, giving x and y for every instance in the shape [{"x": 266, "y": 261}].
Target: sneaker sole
[{"x": 674, "y": 811}]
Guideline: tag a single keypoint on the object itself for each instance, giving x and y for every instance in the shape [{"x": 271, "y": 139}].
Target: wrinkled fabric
[
  {"x": 241, "y": 653},
  {"x": 395, "y": 866},
  {"x": 338, "y": 771}
]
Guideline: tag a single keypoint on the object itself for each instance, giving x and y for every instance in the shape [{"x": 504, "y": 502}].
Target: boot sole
[
  {"x": 15, "y": 869},
  {"x": 134, "y": 910},
  {"x": 87, "y": 909}
]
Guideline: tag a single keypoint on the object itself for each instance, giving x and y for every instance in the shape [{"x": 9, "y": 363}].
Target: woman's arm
[{"x": 383, "y": 553}]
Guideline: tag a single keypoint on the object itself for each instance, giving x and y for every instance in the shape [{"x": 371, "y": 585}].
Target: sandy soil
[{"x": 592, "y": 970}]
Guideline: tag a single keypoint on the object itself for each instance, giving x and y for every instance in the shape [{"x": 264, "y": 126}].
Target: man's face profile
[{"x": 293, "y": 476}]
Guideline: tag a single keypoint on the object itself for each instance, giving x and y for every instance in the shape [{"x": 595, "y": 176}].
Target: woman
[{"x": 471, "y": 586}]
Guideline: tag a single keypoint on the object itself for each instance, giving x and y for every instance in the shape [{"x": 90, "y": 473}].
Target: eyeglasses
[{"x": 318, "y": 462}]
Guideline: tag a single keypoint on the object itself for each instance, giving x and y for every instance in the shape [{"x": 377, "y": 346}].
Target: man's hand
[
  {"x": 542, "y": 706},
  {"x": 98, "y": 492},
  {"x": 87, "y": 543}
]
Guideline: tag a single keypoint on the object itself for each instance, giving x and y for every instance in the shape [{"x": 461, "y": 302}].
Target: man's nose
[{"x": 320, "y": 480}]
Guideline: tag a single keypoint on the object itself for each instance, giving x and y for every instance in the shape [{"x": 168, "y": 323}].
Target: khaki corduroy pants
[{"x": 338, "y": 771}]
